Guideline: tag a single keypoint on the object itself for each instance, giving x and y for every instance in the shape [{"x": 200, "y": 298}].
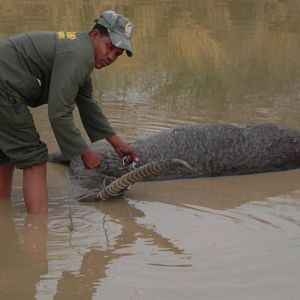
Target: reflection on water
[
  {"x": 78, "y": 260},
  {"x": 23, "y": 256},
  {"x": 119, "y": 249},
  {"x": 222, "y": 238}
]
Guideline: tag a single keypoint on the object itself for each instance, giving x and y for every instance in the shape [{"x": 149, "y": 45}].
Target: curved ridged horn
[{"x": 119, "y": 186}]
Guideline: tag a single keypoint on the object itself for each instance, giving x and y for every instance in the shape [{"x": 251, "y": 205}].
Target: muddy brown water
[{"x": 211, "y": 238}]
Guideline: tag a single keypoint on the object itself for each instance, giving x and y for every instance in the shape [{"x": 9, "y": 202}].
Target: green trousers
[{"x": 20, "y": 143}]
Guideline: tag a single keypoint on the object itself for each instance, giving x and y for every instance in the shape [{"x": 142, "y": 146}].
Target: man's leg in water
[
  {"x": 6, "y": 175},
  {"x": 35, "y": 189}
]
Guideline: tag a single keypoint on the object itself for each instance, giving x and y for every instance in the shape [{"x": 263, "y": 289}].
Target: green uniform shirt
[{"x": 55, "y": 68}]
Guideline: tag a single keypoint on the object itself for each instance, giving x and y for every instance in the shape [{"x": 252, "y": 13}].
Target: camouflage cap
[{"x": 119, "y": 29}]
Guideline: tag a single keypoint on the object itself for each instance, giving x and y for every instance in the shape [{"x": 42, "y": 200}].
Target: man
[{"x": 54, "y": 68}]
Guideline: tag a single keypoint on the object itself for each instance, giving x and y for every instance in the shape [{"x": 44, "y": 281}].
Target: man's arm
[
  {"x": 94, "y": 121},
  {"x": 66, "y": 78},
  {"x": 97, "y": 125}
]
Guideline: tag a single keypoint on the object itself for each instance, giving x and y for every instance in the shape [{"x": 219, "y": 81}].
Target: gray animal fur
[{"x": 211, "y": 150}]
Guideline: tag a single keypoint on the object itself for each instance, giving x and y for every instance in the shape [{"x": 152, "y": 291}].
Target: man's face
[{"x": 105, "y": 52}]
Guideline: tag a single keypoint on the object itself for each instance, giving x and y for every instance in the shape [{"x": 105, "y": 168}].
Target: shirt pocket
[{"x": 29, "y": 88}]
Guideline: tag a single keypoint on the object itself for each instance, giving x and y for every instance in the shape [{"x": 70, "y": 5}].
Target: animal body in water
[{"x": 210, "y": 150}]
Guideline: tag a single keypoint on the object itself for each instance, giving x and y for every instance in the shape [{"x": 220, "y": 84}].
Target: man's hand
[
  {"x": 123, "y": 149},
  {"x": 90, "y": 159}
]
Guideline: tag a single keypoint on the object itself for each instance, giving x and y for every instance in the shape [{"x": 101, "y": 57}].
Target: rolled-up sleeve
[{"x": 69, "y": 72}]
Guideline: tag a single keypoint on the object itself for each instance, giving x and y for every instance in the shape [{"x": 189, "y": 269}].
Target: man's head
[{"x": 111, "y": 36}]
